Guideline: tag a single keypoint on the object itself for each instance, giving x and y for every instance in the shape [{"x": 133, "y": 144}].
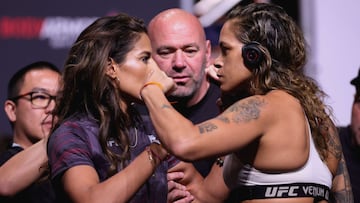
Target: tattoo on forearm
[
  {"x": 165, "y": 106},
  {"x": 244, "y": 112},
  {"x": 207, "y": 127},
  {"x": 224, "y": 119}
]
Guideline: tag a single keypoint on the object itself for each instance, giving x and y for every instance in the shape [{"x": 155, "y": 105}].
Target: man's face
[
  {"x": 183, "y": 54},
  {"x": 30, "y": 122}
]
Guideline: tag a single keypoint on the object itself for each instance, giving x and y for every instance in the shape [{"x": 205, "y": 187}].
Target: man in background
[
  {"x": 350, "y": 141},
  {"x": 29, "y": 105},
  {"x": 181, "y": 50}
]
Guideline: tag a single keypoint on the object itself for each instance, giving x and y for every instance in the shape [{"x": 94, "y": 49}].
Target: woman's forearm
[
  {"x": 175, "y": 131},
  {"x": 82, "y": 182}
]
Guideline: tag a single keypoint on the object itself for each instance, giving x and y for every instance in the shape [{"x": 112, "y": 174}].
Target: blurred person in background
[
  {"x": 350, "y": 141},
  {"x": 30, "y": 101}
]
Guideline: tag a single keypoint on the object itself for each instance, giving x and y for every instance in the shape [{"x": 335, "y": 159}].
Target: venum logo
[
  {"x": 316, "y": 191},
  {"x": 282, "y": 191}
]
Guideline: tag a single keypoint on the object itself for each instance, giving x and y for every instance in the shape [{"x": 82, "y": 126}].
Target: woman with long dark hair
[{"x": 100, "y": 150}]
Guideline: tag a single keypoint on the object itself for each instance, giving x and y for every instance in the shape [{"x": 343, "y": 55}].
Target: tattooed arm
[
  {"x": 341, "y": 191},
  {"x": 214, "y": 137}
]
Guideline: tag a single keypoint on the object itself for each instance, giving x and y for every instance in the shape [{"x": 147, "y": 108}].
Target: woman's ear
[{"x": 111, "y": 69}]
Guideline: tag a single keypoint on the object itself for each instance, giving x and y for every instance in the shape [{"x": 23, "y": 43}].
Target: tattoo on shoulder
[{"x": 244, "y": 112}]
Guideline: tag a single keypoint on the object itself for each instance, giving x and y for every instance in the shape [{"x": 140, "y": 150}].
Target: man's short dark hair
[{"x": 17, "y": 79}]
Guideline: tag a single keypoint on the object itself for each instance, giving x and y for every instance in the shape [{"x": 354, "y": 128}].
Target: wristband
[
  {"x": 151, "y": 83},
  {"x": 153, "y": 157},
  {"x": 150, "y": 156}
]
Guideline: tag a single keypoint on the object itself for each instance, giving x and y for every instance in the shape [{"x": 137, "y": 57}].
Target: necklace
[{"x": 136, "y": 139}]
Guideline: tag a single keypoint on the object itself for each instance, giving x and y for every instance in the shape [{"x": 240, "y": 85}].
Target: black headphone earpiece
[{"x": 252, "y": 55}]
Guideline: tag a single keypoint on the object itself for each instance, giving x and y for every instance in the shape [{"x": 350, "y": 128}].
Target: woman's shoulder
[
  {"x": 281, "y": 96},
  {"x": 274, "y": 101},
  {"x": 79, "y": 121},
  {"x": 78, "y": 125}
]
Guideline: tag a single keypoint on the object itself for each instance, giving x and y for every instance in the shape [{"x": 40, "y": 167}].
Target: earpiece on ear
[{"x": 252, "y": 55}]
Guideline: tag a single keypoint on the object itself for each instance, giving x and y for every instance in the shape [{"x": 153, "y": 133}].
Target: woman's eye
[
  {"x": 223, "y": 50},
  {"x": 145, "y": 59}
]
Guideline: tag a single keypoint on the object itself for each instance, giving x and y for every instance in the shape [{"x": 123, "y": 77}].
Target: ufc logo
[{"x": 281, "y": 191}]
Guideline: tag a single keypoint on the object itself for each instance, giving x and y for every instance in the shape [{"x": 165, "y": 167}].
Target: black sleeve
[{"x": 9, "y": 153}]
